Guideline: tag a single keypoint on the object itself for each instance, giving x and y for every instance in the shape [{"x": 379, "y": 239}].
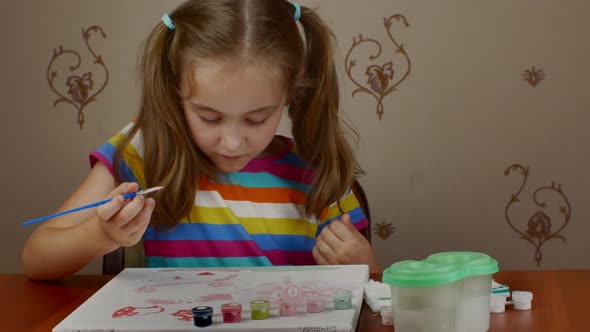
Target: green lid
[
  {"x": 419, "y": 274},
  {"x": 473, "y": 263}
]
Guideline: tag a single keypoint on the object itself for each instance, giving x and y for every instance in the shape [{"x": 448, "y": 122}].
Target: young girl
[{"x": 216, "y": 77}]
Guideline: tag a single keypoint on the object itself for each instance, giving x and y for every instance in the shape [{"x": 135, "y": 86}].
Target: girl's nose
[{"x": 232, "y": 139}]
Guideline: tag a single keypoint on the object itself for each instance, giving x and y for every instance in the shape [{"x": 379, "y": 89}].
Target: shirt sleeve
[
  {"x": 131, "y": 164},
  {"x": 349, "y": 204}
]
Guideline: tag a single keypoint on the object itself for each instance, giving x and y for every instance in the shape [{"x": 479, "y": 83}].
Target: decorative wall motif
[
  {"x": 384, "y": 229},
  {"x": 382, "y": 79},
  {"x": 540, "y": 227},
  {"x": 533, "y": 76},
  {"x": 79, "y": 86}
]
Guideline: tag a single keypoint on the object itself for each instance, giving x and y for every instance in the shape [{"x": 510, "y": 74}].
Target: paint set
[{"x": 290, "y": 298}]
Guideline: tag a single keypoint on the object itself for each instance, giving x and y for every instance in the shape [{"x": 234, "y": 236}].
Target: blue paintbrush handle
[{"x": 34, "y": 221}]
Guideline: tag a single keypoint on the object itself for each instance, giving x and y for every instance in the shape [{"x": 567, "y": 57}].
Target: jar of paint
[
  {"x": 260, "y": 309},
  {"x": 386, "y": 315},
  {"x": 342, "y": 299},
  {"x": 231, "y": 312},
  {"x": 477, "y": 268},
  {"x": 202, "y": 316},
  {"x": 424, "y": 296},
  {"x": 315, "y": 303},
  {"x": 289, "y": 296}
]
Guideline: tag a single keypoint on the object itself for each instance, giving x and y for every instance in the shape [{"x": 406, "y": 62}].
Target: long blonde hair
[{"x": 255, "y": 29}]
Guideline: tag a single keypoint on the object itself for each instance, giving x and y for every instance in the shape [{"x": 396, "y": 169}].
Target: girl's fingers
[
  {"x": 319, "y": 258},
  {"x": 108, "y": 210},
  {"x": 128, "y": 212},
  {"x": 324, "y": 249},
  {"x": 142, "y": 220},
  {"x": 341, "y": 230},
  {"x": 330, "y": 238}
]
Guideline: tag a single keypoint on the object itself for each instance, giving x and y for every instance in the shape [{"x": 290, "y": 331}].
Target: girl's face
[{"x": 233, "y": 111}]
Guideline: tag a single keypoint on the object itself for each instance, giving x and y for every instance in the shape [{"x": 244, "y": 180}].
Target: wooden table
[{"x": 559, "y": 303}]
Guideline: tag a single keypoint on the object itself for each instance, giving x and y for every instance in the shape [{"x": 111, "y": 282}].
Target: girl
[{"x": 216, "y": 77}]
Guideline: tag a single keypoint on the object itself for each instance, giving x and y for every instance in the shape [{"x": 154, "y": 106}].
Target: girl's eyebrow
[{"x": 207, "y": 108}]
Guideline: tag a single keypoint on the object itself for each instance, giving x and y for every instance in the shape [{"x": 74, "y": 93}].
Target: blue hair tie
[
  {"x": 297, "y": 14},
  {"x": 168, "y": 21}
]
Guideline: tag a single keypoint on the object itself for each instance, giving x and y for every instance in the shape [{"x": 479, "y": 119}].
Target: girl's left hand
[{"x": 341, "y": 243}]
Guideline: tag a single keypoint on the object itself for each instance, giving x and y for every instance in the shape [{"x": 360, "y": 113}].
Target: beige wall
[{"x": 435, "y": 161}]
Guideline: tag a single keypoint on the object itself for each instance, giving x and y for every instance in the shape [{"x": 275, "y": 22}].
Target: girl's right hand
[{"x": 124, "y": 221}]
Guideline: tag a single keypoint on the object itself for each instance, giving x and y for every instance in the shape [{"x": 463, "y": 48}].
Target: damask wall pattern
[
  {"x": 382, "y": 79},
  {"x": 540, "y": 227},
  {"x": 80, "y": 84}
]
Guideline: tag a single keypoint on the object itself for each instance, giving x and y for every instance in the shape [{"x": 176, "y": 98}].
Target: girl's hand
[
  {"x": 125, "y": 221},
  {"x": 341, "y": 243}
]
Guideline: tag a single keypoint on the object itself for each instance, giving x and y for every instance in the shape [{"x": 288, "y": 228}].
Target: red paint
[
  {"x": 137, "y": 311},
  {"x": 183, "y": 315},
  {"x": 232, "y": 312}
]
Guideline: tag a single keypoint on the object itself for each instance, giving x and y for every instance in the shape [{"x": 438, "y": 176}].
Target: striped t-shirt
[{"x": 255, "y": 218}]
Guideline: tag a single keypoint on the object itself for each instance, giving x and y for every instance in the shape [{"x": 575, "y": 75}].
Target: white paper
[{"x": 158, "y": 300}]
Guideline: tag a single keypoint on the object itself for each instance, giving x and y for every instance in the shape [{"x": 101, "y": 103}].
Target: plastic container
[
  {"x": 202, "y": 316},
  {"x": 342, "y": 299},
  {"x": 315, "y": 303},
  {"x": 522, "y": 300},
  {"x": 260, "y": 309},
  {"x": 477, "y": 269},
  {"x": 232, "y": 312},
  {"x": 386, "y": 315},
  {"x": 289, "y": 296},
  {"x": 424, "y": 297}
]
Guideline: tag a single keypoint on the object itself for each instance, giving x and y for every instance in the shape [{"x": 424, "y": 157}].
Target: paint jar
[
  {"x": 497, "y": 303},
  {"x": 202, "y": 316},
  {"x": 260, "y": 309},
  {"x": 424, "y": 296},
  {"x": 315, "y": 303},
  {"x": 386, "y": 315},
  {"x": 342, "y": 299},
  {"x": 289, "y": 296},
  {"x": 477, "y": 269},
  {"x": 232, "y": 312},
  {"x": 522, "y": 300}
]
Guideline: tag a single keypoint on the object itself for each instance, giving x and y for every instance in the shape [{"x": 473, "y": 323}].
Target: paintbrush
[{"x": 125, "y": 196}]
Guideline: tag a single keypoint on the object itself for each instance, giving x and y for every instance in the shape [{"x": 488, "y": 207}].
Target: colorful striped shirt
[{"x": 255, "y": 218}]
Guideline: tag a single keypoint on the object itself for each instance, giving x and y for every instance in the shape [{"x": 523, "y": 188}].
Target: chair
[{"x": 114, "y": 262}]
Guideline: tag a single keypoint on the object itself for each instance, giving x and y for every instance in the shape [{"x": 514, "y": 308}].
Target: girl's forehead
[{"x": 233, "y": 85}]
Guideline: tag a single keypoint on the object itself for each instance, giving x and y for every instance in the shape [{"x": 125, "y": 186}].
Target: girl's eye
[
  {"x": 210, "y": 119},
  {"x": 256, "y": 121}
]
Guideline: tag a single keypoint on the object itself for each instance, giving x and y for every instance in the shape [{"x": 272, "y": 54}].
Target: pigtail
[
  {"x": 317, "y": 130},
  {"x": 170, "y": 157}
]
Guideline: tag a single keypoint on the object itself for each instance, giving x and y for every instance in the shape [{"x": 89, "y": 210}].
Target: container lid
[
  {"x": 473, "y": 263},
  {"x": 231, "y": 307},
  {"x": 259, "y": 304},
  {"x": 342, "y": 294},
  {"x": 418, "y": 274},
  {"x": 202, "y": 311}
]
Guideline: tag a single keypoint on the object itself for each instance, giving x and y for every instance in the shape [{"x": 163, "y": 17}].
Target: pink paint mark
[
  {"x": 162, "y": 301},
  {"x": 183, "y": 315},
  {"x": 215, "y": 297},
  {"x": 219, "y": 284},
  {"x": 205, "y": 274},
  {"x": 144, "y": 289},
  {"x": 231, "y": 276},
  {"x": 137, "y": 311}
]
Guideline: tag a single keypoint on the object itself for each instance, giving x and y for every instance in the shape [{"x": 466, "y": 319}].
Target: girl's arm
[{"x": 60, "y": 247}]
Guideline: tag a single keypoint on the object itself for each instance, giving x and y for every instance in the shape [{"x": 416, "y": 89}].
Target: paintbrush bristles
[{"x": 150, "y": 190}]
